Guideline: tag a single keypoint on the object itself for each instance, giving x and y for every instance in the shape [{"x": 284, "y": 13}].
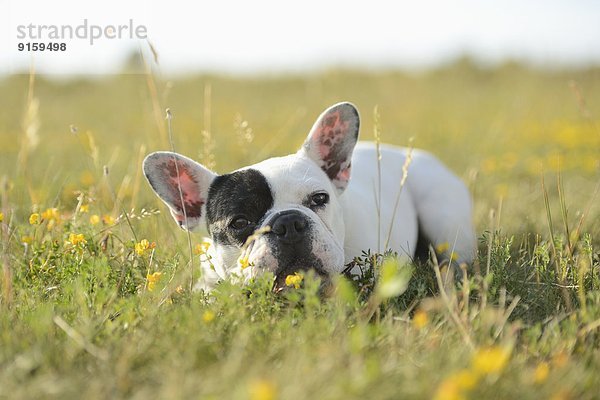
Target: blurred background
[
  {"x": 504, "y": 92},
  {"x": 271, "y": 36}
]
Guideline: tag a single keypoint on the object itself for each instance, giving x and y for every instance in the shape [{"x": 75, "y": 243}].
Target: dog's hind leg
[{"x": 444, "y": 208}]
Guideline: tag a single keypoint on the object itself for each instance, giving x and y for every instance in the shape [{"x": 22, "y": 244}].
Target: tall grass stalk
[
  {"x": 207, "y": 154},
  {"x": 185, "y": 218},
  {"x": 6, "y": 284},
  {"x": 156, "y": 107},
  {"x": 405, "y": 167},
  {"x": 377, "y": 136},
  {"x": 559, "y": 275},
  {"x": 138, "y": 177},
  {"x": 449, "y": 299}
]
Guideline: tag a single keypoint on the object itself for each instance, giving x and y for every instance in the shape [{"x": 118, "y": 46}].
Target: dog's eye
[
  {"x": 239, "y": 223},
  {"x": 319, "y": 199}
]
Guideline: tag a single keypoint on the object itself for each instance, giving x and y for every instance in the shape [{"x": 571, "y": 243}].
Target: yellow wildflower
[
  {"x": 201, "y": 248},
  {"x": 420, "y": 319},
  {"x": 262, "y": 390},
  {"x": 84, "y": 208},
  {"x": 442, "y": 247},
  {"x": 34, "y": 219},
  {"x": 456, "y": 385},
  {"x": 76, "y": 239},
  {"x": 490, "y": 360},
  {"x": 108, "y": 220},
  {"x": 143, "y": 246},
  {"x": 294, "y": 280},
  {"x": 562, "y": 394},
  {"x": 179, "y": 289},
  {"x": 448, "y": 390},
  {"x": 243, "y": 262},
  {"x": 51, "y": 214},
  {"x": 465, "y": 379},
  {"x": 26, "y": 239},
  {"x": 94, "y": 219},
  {"x": 1, "y": 216},
  {"x": 540, "y": 374},
  {"x": 208, "y": 316},
  {"x": 152, "y": 280},
  {"x": 453, "y": 256}
]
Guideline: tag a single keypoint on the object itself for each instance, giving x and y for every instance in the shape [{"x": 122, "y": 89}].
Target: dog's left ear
[{"x": 331, "y": 141}]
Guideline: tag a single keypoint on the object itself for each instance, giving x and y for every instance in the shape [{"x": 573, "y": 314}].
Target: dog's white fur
[
  {"x": 371, "y": 211},
  {"x": 432, "y": 199}
]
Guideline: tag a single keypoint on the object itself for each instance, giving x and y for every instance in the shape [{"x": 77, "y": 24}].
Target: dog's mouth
[{"x": 293, "y": 247}]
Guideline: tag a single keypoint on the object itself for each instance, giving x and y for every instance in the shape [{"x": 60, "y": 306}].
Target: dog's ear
[
  {"x": 177, "y": 179},
  {"x": 331, "y": 141}
]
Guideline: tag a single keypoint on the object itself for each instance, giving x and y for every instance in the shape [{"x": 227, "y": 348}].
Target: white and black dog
[{"x": 314, "y": 213}]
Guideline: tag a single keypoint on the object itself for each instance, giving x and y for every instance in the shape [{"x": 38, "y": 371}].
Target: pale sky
[{"x": 281, "y": 36}]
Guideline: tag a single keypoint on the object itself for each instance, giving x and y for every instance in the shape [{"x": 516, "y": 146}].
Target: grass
[{"x": 95, "y": 299}]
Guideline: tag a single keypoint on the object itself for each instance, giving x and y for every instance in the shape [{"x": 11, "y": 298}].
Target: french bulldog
[{"x": 319, "y": 208}]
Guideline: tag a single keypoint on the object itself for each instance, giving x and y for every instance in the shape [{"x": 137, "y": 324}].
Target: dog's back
[{"x": 433, "y": 204}]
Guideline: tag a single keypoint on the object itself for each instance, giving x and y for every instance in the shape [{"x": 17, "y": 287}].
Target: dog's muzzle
[{"x": 291, "y": 237}]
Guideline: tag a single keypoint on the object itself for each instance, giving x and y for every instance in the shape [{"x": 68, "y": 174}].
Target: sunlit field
[{"x": 95, "y": 298}]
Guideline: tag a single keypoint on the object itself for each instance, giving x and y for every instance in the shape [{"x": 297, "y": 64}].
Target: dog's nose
[{"x": 289, "y": 226}]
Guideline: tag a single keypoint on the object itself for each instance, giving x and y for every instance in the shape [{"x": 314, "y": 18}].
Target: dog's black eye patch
[{"x": 232, "y": 196}]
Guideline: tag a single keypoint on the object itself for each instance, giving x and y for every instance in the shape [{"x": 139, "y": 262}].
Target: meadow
[{"x": 95, "y": 298}]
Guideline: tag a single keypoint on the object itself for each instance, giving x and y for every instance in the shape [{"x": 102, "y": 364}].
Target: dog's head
[{"x": 288, "y": 206}]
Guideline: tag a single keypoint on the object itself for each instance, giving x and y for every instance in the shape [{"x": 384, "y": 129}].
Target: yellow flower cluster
[
  {"x": 420, "y": 319},
  {"x": 485, "y": 362},
  {"x": 208, "y": 316},
  {"x": 243, "y": 262},
  {"x": 201, "y": 248},
  {"x": 108, "y": 220},
  {"x": 52, "y": 216},
  {"x": 152, "y": 280},
  {"x": 442, "y": 248},
  {"x": 95, "y": 218},
  {"x": 541, "y": 372},
  {"x": 34, "y": 219},
  {"x": 1, "y": 216},
  {"x": 490, "y": 360},
  {"x": 143, "y": 246},
  {"x": 294, "y": 280},
  {"x": 76, "y": 239},
  {"x": 262, "y": 390}
]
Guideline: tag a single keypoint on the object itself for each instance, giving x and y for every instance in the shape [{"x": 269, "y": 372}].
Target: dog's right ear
[
  {"x": 331, "y": 141},
  {"x": 177, "y": 179}
]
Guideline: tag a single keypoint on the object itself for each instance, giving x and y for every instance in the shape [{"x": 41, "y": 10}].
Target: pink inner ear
[
  {"x": 341, "y": 179},
  {"x": 331, "y": 132},
  {"x": 190, "y": 189},
  {"x": 343, "y": 175}
]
